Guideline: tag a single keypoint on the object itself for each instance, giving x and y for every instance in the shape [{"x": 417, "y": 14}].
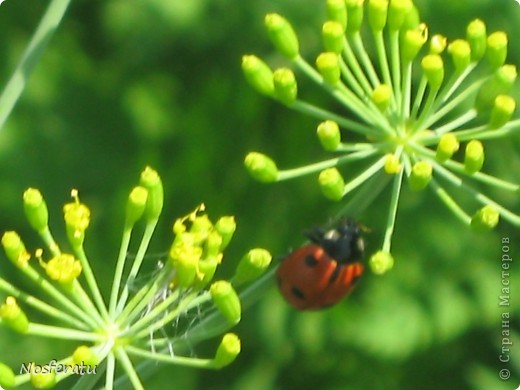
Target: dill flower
[
  {"x": 409, "y": 107},
  {"x": 158, "y": 320}
]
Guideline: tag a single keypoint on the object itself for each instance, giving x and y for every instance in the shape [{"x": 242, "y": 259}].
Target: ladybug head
[{"x": 342, "y": 243}]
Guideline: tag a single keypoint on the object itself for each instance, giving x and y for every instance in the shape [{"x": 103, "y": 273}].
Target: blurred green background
[{"x": 125, "y": 83}]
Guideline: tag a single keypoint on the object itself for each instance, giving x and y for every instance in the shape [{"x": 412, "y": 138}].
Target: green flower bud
[
  {"x": 496, "y": 52},
  {"x": 252, "y": 265},
  {"x": 258, "y": 74},
  {"x": 285, "y": 86},
  {"x": 43, "y": 379},
  {"x": 77, "y": 220},
  {"x": 413, "y": 41},
  {"x": 420, "y": 176},
  {"x": 13, "y": 316},
  {"x": 485, "y": 219},
  {"x": 35, "y": 209},
  {"x": 151, "y": 180},
  {"x": 377, "y": 14},
  {"x": 135, "y": 205},
  {"x": 261, "y": 167},
  {"x": 184, "y": 258},
  {"x": 282, "y": 35},
  {"x": 85, "y": 355},
  {"x": 460, "y": 52},
  {"x": 447, "y": 146},
  {"x": 412, "y": 20},
  {"x": 337, "y": 11},
  {"x": 437, "y": 44},
  {"x": 200, "y": 226},
  {"x": 433, "y": 68},
  {"x": 213, "y": 244},
  {"x": 474, "y": 157},
  {"x": 226, "y": 300},
  {"x": 328, "y": 66},
  {"x": 381, "y": 262},
  {"x": 397, "y": 12},
  {"x": 502, "y": 111},
  {"x": 206, "y": 270},
  {"x": 501, "y": 83},
  {"x": 7, "y": 377},
  {"x": 333, "y": 35},
  {"x": 331, "y": 183},
  {"x": 382, "y": 96},
  {"x": 392, "y": 164},
  {"x": 63, "y": 268},
  {"x": 476, "y": 36},
  {"x": 15, "y": 249},
  {"x": 329, "y": 135},
  {"x": 227, "y": 351},
  {"x": 354, "y": 15},
  {"x": 226, "y": 227}
]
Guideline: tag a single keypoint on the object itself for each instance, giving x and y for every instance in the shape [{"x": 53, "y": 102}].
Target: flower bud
[
  {"x": 329, "y": 135},
  {"x": 151, "y": 180},
  {"x": 381, "y": 262},
  {"x": 437, "y": 44},
  {"x": 85, "y": 355},
  {"x": 460, "y": 52},
  {"x": 485, "y": 219},
  {"x": 474, "y": 157},
  {"x": 282, "y": 35},
  {"x": 502, "y": 111},
  {"x": 213, "y": 244},
  {"x": 135, "y": 205},
  {"x": 13, "y": 316},
  {"x": 331, "y": 183},
  {"x": 206, "y": 270},
  {"x": 285, "y": 86},
  {"x": 433, "y": 68},
  {"x": 496, "y": 51},
  {"x": 258, "y": 74},
  {"x": 35, "y": 209},
  {"x": 227, "y": 351},
  {"x": 226, "y": 300},
  {"x": 7, "y": 377},
  {"x": 328, "y": 66},
  {"x": 337, "y": 12},
  {"x": 261, "y": 167},
  {"x": 397, "y": 11},
  {"x": 476, "y": 36},
  {"x": 420, "y": 176},
  {"x": 500, "y": 83},
  {"x": 43, "y": 379},
  {"x": 77, "y": 219},
  {"x": 382, "y": 96},
  {"x": 377, "y": 14},
  {"x": 15, "y": 249},
  {"x": 252, "y": 265},
  {"x": 447, "y": 146},
  {"x": 412, "y": 20},
  {"x": 333, "y": 36},
  {"x": 226, "y": 227},
  {"x": 63, "y": 268},
  {"x": 392, "y": 164},
  {"x": 184, "y": 258},
  {"x": 413, "y": 41},
  {"x": 354, "y": 15}
]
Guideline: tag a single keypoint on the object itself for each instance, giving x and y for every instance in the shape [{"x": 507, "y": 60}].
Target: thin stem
[
  {"x": 129, "y": 368},
  {"x": 118, "y": 273},
  {"x": 507, "y": 130},
  {"x": 450, "y": 203},
  {"x": 62, "y": 333},
  {"x": 351, "y": 60},
  {"x": 365, "y": 59},
  {"x": 457, "y": 122},
  {"x": 419, "y": 96},
  {"x": 396, "y": 67},
  {"x": 180, "y": 360},
  {"x": 364, "y": 176},
  {"x": 392, "y": 214},
  {"x": 319, "y": 166},
  {"x": 41, "y": 37}
]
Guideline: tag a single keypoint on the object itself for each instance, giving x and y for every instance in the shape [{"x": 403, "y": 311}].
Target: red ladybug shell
[{"x": 309, "y": 278}]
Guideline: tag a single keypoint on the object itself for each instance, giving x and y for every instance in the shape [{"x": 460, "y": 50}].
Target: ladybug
[{"x": 321, "y": 273}]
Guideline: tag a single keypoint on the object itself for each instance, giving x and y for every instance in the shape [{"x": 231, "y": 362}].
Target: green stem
[
  {"x": 351, "y": 60},
  {"x": 392, "y": 213},
  {"x": 457, "y": 122},
  {"x": 118, "y": 273},
  {"x": 129, "y": 368},
  {"x": 507, "y": 130},
  {"x": 41, "y": 37},
  {"x": 62, "y": 333},
  {"x": 450, "y": 203},
  {"x": 365, "y": 59},
  {"x": 396, "y": 68},
  {"x": 364, "y": 176}
]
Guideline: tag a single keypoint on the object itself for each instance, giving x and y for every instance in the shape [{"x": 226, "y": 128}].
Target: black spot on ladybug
[
  {"x": 298, "y": 293},
  {"x": 310, "y": 261},
  {"x": 334, "y": 275}
]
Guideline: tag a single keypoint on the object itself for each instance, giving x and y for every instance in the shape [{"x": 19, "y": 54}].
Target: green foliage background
[{"x": 125, "y": 83}]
